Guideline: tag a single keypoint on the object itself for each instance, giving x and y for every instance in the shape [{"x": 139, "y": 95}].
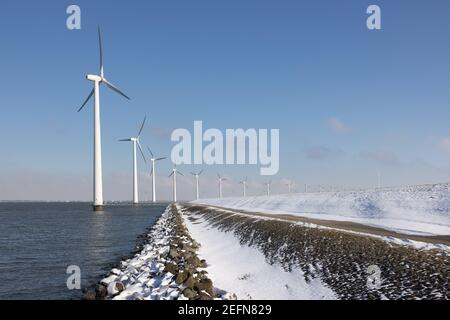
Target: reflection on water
[{"x": 38, "y": 241}]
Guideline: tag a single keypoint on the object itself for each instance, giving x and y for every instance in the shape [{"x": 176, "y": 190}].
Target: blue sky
[{"x": 349, "y": 102}]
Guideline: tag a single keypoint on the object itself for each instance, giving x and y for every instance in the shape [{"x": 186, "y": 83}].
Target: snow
[
  {"x": 415, "y": 210},
  {"x": 142, "y": 276},
  {"x": 244, "y": 270}
]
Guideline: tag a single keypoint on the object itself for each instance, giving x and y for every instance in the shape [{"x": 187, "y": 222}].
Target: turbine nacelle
[
  {"x": 153, "y": 157},
  {"x": 95, "y": 78},
  {"x": 136, "y": 139},
  {"x": 100, "y": 79}
]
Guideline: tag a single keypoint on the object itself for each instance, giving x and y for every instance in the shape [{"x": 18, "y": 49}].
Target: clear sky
[{"x": 349, "y": 102}]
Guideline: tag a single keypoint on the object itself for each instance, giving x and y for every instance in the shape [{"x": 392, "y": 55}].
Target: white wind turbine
[
  {"x": 289, "y": 185},
  {"x": 174, "y": 178},
  {"x": 220, "y": 180},
  {"x": 152, "y": 173},
  {"x": 196, "y": 175},
  {"x": 268, "y": 187},
  {"x": 244, "y": 186},
  {"x": 98, "y": 79},
  {"x": 135, "y": 141}
]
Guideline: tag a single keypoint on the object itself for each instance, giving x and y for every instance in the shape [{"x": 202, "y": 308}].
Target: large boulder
[
  {"x": 115, "y": 287},
  {"x": 206, "y": 284},
  {"x": 181, "y": 277},
  {"x": 189, "y": 293},
  {"x": 190, "y": 282},
  {"x": 171, "y": 267}
]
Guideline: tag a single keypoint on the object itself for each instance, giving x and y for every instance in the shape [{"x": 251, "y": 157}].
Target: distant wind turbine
[
  {"x": 289, "y": 185},
  {"x": 220, "y": 179},
  {"x": 153, "y": 159},
  {"x": 196, "y": 175},
  {"x": 174, "y": 177},
  {"x": 379, "y": 180},
  {"x": 244, "y": 185},
  {"x": 98, "y": 179},
  {"x": 135, "y": 141},
  {"x": 268, "y": 187}
]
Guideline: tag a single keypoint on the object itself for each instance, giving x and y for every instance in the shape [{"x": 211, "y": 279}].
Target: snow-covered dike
[
  {"x": 418, "y": 210},
  {"x": 256, "y": 257},
  {"x": 244, "y": 270}
]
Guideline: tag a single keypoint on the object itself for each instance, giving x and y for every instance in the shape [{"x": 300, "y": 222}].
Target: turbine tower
[
  {"x": 268, "y": 187},
  {"x": 97, "y": 80},
  {"x": 289, "y": 185},
  {"x": 220, "y": 179},
  {"x": 244, "y": 185},
  {"x": 379, "y": 180},
  {"x": 196, "y": 175},
  {"x": 152, "y": 173},
  {"x": 174, "y": 177},
  {"x": 135, "y": 141}
]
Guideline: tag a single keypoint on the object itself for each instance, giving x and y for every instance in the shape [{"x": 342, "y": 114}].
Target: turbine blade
[
  {"x": 125, "y": 140},
  {"x": 161, "y": 158},
  {"x": 101, "y": 51},
  {"x": 140, "y": 149},
  {"x": 112, "y": 87},
  {"x": 87, "y": 99},
  {"x": 151, "y": 153},
  {"x": 142, "y": 126},
  {"x": 201, "y": 171},
  {"x": 180, "y": 173},
  {"x": 151, "y": 172},
  {"x": 171, "y": 174}
]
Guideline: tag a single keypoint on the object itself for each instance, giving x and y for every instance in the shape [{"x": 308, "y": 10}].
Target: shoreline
[
  {"x": 165, "y": 267},
  {"x": 250, "y": 251}
]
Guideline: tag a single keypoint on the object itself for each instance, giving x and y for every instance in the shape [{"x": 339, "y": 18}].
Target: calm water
[{"x": 38, "y": 241}]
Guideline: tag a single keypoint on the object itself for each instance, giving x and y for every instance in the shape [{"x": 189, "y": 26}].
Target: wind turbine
[
  {"x": 220, "y": 179},
  {"x": 135, "y": 141},
  {"x": 153, "y": 160},
  {"x": 196, "y": 175},
  {"x": 379, "y": 180},
  {"x": 244, "y": 184},
  {"x": 174, "y": 177},
  {"x": 97, "y": 80},
  {"x": 289, "y": 185},
  {"x": 268, "y": 187}
]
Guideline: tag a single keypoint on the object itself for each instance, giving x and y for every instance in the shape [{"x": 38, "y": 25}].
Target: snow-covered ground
[
  {"x": 418, "y": 210},
  {"x": 244, "y": 270}
]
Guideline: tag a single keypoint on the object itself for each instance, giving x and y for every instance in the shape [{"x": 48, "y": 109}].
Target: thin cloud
[
  {"x": 383, "y": 157},
  {"x": 444, "y": 145},
  {"x": 322, "y": 153},
  {"x": 161, "y": 133},
  {"x": 337, "y": 125}
]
